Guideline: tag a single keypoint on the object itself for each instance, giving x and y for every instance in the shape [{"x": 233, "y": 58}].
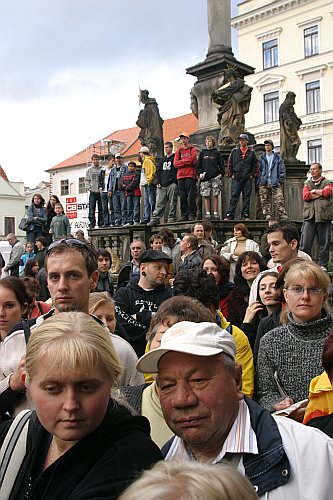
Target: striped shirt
[{"x": 241, "y": 439}]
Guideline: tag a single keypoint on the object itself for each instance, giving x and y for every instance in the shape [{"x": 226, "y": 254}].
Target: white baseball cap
[{"x": 200, "y": 339}]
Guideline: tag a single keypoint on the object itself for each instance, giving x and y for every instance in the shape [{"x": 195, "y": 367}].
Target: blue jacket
[
  {"x": 270, "y": 469},
  {"x": 278, "y": 171},
  {"x": 113, "y": 178}
]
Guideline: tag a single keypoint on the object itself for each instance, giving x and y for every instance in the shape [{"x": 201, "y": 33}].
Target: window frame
[
  {"x": 313, "y": 97},
  {"x": 315, "y": 151},
  {"x": 274, "y": 110},
  {"x": 64, "y": 187},
  {"x": 273, "y": 53},
  {"x": 314, "y": 41},
  {"x": 82, "y": 185}
]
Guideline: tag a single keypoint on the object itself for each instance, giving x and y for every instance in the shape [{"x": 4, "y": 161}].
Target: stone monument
[
  {"x": 289, "y": 127},
  {"x": 210, "y": 72},
  {"x": 233, "y": 98},
  {"x": 151, "y": 125}
]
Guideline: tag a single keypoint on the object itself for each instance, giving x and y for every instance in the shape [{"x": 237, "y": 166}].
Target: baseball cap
[
  {"x": 200, "y": 339},
  {"x": 154, "y": 255},
  {"x": 268, "y": 141},
  {"x": 144, "y": 149},
  {"x": 184, "y": 134},
  {"x": 244, "y": 136}
]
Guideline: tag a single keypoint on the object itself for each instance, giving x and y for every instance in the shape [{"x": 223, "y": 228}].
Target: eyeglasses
[
  {"x": 299, "y": 290},
  {"x": 71, "y": 242}
]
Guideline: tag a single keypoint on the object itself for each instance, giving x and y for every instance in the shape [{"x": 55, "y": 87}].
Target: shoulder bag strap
[
  {"x": 12, "y": 452},
  {"x": 26, "y": 329}
]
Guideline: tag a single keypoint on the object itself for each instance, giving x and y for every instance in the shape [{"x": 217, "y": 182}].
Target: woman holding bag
[{"x": 37, "y": 218}]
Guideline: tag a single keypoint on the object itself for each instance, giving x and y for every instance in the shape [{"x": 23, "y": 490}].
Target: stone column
[{"x": 219, "y": 26}]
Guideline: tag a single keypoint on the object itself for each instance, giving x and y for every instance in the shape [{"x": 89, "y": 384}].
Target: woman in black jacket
[{"x": 81, "y": 443}]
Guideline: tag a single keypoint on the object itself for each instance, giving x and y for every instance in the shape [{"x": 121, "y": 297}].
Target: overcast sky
[{"x": 70, "y": 71}]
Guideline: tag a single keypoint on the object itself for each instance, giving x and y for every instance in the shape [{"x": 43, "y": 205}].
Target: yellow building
[{"x": 290, "y": 43}]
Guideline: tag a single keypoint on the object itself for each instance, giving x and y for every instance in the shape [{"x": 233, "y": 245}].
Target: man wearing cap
[
  {"x": 116, "y": 192},
  {"x": 138, "y": 301},
  {"x": 185, "y": 162},
  {"x": 200, "y": 392},
  {"x": 148, "y": 181},
  {"x": 271, "y": 176},
  {"x": 242, "y": 168}
]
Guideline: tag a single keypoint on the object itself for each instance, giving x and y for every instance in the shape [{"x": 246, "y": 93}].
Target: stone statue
[
  {"x": 151, "y": 124},
  {"x": 233, "y": 98},
  {"x": 289, "y": 126},
  {"x": 194, "y": 104}
]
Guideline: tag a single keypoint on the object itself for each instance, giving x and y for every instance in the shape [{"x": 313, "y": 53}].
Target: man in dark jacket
[
  {"x": 210, "y": 169},
  {"x": 242, "y": 168},
  {"x": 271, "y": 176},
  {"x": 190, "y": 257},
  {"x": 138, "y": 301},
  {"x": 166, "y": 176}
]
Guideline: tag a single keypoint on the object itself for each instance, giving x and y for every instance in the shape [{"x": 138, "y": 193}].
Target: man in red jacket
[{"x": 185, "y": 162}]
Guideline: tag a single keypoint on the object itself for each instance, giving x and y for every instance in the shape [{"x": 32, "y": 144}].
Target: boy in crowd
[
  {"x": 132, "y": 193},
  {"x": 210, "y": 170},
  {"x": 60, "y": 227},
  {"x": 92, "y": 183},
  {"x": 185, "y": 162},
  {"x": 28, "y": 254}
]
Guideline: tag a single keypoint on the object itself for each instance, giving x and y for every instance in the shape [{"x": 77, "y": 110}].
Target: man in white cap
[
  {"x": 203, "y": 404},
  {"x": 242, "y": 168},
  {"x": 149, "y": 183},
  {"x": 185, "y": 162}
]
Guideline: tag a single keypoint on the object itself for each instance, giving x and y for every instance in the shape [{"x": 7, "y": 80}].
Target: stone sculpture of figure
[
  {"x": 289, "y": 126},
  {"x": 194, "y": 104},
  {"x": 151, "y": 124},
  {"x": 233, "y": 98}
]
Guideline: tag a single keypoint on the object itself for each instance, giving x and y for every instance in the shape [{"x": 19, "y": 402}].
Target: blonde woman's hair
[
  {"x": 191, "y": 481},
  {"x": 97, "y": 299},
  {"x": 74, "y": 341},
  {"x": 309, "y": 271}
]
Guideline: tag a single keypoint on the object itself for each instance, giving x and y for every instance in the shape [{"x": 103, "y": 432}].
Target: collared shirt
[
  {"x": 269, "y": 158},
  {"x": 241, "y": 439}
]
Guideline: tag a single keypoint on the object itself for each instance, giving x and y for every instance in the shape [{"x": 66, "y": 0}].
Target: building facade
[{"x": 289, "y": 42}]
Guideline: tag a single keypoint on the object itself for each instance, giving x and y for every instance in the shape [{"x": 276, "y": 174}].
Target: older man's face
[{"x": 199, "y": 399}]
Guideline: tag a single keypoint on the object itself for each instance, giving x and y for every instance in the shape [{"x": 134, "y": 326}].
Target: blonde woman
[
  {"x": 81, "y": 443},
  {"x": 290, "y": 355},
  {"x": 191, "y": 481}
]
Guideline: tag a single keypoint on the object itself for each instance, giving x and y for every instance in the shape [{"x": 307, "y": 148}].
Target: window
[
  {"x": 311, "y": 45},
  {"x": 10, "y": 225},
  {"x": 314, "y": 151},
  {"x": 82, "y": 185},
  {"x": 312, "y": 97},
  {"x": 270, "y": 54},
  {"x": 271, "y": 107},
  {"x": 64, "y": 187}
]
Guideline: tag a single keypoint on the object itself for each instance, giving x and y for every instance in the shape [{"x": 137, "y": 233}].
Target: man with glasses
[{"x": 71, "y": 268}]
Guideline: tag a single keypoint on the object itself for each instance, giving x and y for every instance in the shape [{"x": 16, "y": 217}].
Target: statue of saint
[
  {"x": 233, "y": 98},
  {"x": 151, "y": 124},
  {"x": 289, "y": 127}
]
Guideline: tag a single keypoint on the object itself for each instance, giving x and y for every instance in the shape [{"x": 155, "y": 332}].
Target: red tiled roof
[
  {"x": 3, "y": 174},
  {"x": 172, "y": 127}
]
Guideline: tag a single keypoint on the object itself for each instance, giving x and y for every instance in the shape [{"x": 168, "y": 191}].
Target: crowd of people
[{"x": 208, "y": 362}]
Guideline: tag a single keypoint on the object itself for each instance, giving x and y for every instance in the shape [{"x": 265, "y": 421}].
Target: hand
[
  {"x": 285, "y": 403},
  {"x": 110, "y": 193},
  {"x": 159, "y": 186},
  {"x": 234, "y": 257},
  {"x": 251, "y": 311},
  {"x": 201, "y": 176},
  {"x": 15, "y": 382}
]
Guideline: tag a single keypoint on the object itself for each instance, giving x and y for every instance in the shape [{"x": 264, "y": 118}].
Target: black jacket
[
  {"x": 101, "y": 465},
  {"x": 134, "y": 300},
  {"x": 242, "y": 169},
  {"x": 166, "y": 173},
  {"x": 270, "y": 469},
  {"x": 210, "y": 161}
]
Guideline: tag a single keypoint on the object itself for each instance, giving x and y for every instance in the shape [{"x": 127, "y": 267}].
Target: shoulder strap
[
  {"x": 26, "y": 328},
  {"x": 13, "y": 451}
]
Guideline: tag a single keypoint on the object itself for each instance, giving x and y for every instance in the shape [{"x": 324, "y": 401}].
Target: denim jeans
[
  {"x": 108, "y": 214},
  {"x": 93, "y": 199},
  {"x": 133, "y": 209},
  {"x": 237, "y": 187},
  {"x": 149, "y": 201},
  {"x": 120, "y": 208},
  {"x": 163, "y": 195}
]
